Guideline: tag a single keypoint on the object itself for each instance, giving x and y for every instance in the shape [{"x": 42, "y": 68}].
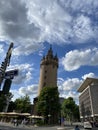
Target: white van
[{"x": 87, "y": 125}]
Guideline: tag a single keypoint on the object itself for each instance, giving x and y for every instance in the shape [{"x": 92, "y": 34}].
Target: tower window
[
  {"x": 53, "y": 66},
  {"x": 45, "y": 71},
  {"x": 44, "y": 84},
  {"x": 45, "y": 77}
]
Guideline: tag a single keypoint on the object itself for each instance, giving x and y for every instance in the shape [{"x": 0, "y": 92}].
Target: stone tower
[{"x": 48, "y": 71}]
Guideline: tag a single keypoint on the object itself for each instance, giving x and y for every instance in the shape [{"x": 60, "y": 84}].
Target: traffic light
[{"x": 7, "y": 85}]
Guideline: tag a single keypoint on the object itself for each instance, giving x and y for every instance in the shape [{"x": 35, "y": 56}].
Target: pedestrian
[
  {"x": 77, "y": 127},
  {"x": 15, "y": 122}
]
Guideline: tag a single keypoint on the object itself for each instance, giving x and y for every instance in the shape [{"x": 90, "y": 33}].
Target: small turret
[
  {"x": 49, "y": 58},
  {"x": 50, "y": 53}
]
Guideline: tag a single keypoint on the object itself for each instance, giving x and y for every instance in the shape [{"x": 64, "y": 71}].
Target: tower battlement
[{"x": 50, "y": 59}]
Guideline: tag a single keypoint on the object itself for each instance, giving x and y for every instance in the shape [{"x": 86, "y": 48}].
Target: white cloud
[
  {"x": 27, "y": 49},
  {"x": 91, "y": 75},
  {"x": 31, "y": 23},
  {"x": 82, "y": 28},
  {"x": 68, "y": 87},
  {"x": 15, "y": 94},
  {"x": 73, "y": 94},
  {"x": 71, "y": 84},
  {"x": 29, "y": 90},
  {"x": 73, "y": 60},
  {"x": 28, "y": 75},
  {"x": 24, "y": 74},
  {"x": 1, "y": 52},
  {"x": 1, "y": 49}
]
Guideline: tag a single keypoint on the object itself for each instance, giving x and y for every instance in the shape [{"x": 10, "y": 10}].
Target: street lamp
[{"x": 49, "y": 118}]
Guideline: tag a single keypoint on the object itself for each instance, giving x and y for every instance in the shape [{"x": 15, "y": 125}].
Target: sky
[{"x": 70, "y": 26}]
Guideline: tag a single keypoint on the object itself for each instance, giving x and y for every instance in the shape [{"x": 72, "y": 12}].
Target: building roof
[{"x": 85, "y": 84}]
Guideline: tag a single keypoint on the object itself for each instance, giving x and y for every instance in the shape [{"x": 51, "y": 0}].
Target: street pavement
[{"x": 9, "y": 126}]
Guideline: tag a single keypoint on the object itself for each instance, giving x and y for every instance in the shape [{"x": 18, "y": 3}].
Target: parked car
[{"x": 87, "y": 125}]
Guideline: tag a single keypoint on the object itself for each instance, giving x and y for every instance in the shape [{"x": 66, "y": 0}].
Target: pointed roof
[{"x": 50, "y": 52}]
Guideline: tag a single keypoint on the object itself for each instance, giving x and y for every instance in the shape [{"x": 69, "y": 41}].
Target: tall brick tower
[{"x": 48, "y": 71}]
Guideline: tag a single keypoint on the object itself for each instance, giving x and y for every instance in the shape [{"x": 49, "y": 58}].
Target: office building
[{"x": 88, "y": 99}]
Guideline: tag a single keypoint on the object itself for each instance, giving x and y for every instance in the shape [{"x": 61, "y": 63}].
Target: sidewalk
[
  {"x": 19, "y": 126},
  {"x": 31, "y": 127}
]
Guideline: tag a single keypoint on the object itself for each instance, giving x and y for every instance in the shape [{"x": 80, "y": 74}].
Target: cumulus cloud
[
  {"x": 34, "y": 22},
  {"x": 30, "y": 23},
  {"x": 82, "y": 29},
  {"x": 15, "y": 93},
  {"x": 24, "y": 74},
  {"x": 68, "y": 87},
  {"x": 1, "y": 48},
  {"x": 1, "y": 51},
  {"x": 91, "y": 75},
  {"x": 29, "y": 90},
  {"x": 73, "y": 60},
  {"x": 71, "y": 84},
  {"x": 16, "y": 27}
]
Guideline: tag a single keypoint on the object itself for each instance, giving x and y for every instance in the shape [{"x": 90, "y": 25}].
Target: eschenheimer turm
[{"x": 48, "y": 71}]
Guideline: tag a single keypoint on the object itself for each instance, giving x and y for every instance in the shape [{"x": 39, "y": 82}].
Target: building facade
[
  {"x": 88, "y": 99},
  {"x": 48, "y": 71}
]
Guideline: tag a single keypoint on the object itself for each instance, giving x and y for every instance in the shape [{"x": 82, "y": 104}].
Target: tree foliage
[
  {"x": 70, "y": 110},
  {"x": 23, "y": 104},
  {"x": 48, "y": 103},
  {"x": 11, "y": 106}
]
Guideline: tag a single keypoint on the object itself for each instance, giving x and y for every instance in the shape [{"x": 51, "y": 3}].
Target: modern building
[
  {"x": 88, "y": 99},
  {"x": 48, "y": 71}
]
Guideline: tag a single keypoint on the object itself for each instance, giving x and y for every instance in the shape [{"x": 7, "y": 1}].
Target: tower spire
[{"x": 50, "y": 46}]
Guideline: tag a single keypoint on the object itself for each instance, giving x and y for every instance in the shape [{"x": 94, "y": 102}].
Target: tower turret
[{"x": 48, "y": 71}]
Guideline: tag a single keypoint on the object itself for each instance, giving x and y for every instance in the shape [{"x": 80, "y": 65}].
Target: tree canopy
[
  {"x": 70, "y": 110},
  {"x": 48, "y": 103},
  {"x": 23, "y": 104}
]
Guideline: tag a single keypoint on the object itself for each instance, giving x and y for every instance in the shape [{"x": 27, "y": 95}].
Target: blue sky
[{"x": 70, "y": 26}]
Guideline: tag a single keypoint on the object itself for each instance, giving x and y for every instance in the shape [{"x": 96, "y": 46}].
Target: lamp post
[{"x": 49, "y": 118}]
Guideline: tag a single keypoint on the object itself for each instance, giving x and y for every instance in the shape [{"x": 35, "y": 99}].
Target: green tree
[
  {"x": 23, "y": 104},
  {"x": 11, "y": 106},
  {"x": 76, "y": 113},
  {"x": 69, "y": 109},
  {"x": 48, "y": 104}
]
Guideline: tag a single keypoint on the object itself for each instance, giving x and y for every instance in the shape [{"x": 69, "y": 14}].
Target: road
[{"x": 8, "y": 126}]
